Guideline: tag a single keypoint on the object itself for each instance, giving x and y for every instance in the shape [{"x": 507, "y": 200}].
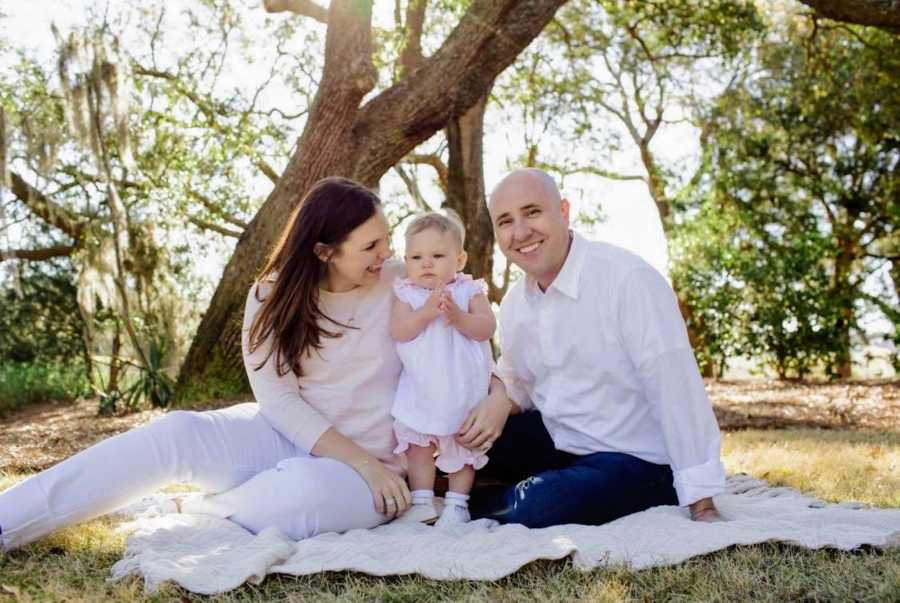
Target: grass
[
  {"x": 72, "y": 565},
  {"x": 837, "y": 465},
  {"x": 24, "y": 383}
]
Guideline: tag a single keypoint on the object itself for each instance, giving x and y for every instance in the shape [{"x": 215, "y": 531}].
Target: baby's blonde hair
[{"x": 449, "y": 221}]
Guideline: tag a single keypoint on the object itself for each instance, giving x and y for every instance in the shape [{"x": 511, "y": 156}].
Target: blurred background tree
[{"x": 803, "y": 198}]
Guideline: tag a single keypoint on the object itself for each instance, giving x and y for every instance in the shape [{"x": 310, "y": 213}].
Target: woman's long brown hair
[{"x": 328, "y": 213}]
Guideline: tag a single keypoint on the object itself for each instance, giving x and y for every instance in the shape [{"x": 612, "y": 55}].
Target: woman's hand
[
  {"x": 485, "y": 423},
  {"x": 389, "y": 491}
]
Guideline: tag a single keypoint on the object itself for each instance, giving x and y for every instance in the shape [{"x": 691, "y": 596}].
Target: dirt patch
[
  {"x": 40, "y": 435},
  {"x": 769, "y": 404}
]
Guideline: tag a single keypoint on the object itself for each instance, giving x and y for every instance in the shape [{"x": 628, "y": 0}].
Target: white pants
[{"x": 260, "y": 479}]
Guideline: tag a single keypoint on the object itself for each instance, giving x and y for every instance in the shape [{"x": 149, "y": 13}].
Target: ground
[
  {"x": 37, "y": 436},
  {"x": 840, "y": 441}
]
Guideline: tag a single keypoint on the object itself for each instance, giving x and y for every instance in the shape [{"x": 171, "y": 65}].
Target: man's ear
[
  {"x": 564, "y": 209},
  {"x": 461, "y": 260},
  {"x": 323, "y": 251}
]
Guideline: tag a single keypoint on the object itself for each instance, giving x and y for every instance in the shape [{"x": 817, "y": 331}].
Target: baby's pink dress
[{"x": 445, "y": 375}]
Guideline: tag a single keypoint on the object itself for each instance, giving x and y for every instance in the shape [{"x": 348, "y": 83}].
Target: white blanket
[{"x": 210, "y": 555}]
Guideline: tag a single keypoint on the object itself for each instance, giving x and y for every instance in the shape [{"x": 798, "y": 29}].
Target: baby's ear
[{"x": 461, "y": 260}]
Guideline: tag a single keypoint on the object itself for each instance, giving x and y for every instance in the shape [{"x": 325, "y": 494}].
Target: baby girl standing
[{"x": 442, "y": 323}]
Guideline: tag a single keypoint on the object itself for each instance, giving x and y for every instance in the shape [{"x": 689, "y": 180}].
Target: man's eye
[{"x": 533, "y": 212}]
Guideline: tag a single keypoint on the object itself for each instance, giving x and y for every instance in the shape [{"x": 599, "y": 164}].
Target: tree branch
[
  {"x": 588, "y": 169},
  {"x": 879, "y": 13},
  {"x": 267, "y": 169},
  {"x": 411, "y": 57},
  {"x": 306, "y": 8},
  {"x": 36, "y": 255},
  {"x": 486, "y": 40},
  {"x": 215, "y": 227},
  {"x": 56, "y": 215},
  {"x": 216, "y": 209},
  {"x": 413, "y": 187},
  {"x": 437, "y": 163}
]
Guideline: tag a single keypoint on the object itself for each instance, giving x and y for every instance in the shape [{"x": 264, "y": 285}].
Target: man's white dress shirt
[{"x": 603, "y": 354}]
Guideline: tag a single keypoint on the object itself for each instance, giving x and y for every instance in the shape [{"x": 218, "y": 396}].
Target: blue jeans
[{"x": 542, "y": 486}]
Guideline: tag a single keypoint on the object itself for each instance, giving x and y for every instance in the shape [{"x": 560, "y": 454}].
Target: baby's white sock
[
  {"x": 456, "y": 509},
  {"x": 422, "y": 497},
  {"x": 422, "y": 509}
]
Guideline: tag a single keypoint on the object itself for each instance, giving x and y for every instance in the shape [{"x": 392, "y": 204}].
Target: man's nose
[{"x": 520, "y": 231}]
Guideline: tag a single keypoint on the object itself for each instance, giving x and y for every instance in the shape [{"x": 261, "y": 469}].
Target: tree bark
[
  {"x": 343, "y": 139},
  {"x": 465, "y": 194},
  {"x": 842, "y": 292},
  {"x": 878, "y": 13}
]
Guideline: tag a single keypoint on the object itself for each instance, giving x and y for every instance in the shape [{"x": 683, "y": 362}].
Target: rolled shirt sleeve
[
  {"x": 515, "y": 389},
  {"x": 278, "y": 397},
  {"x": 654, "y": 335}
]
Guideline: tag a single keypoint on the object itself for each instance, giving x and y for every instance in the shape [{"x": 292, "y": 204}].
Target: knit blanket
[{"x": 209, "y": 555}]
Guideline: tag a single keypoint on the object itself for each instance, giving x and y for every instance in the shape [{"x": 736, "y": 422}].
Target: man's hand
[
  {"x": 486, "y": 421},
  {"x": 705, "y": 510}
]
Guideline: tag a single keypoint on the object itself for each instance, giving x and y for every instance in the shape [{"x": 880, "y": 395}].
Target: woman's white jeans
[{"x": 259, "y": 479}]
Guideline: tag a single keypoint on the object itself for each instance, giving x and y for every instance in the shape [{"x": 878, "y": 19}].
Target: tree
[
  {"x": 807, "y": 152},
  {"x": 628, "y": 69},
  {"x": 148, "y": 142},
  {"x": 878, "y": 13},
  {"x": 344, "y": 136}
]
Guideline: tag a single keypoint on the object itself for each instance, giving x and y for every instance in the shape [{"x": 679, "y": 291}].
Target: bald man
[{"x": 611, "y": 415}]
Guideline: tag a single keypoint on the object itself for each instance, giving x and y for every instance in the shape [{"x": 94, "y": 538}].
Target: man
[{"x": 613, "y": 416}]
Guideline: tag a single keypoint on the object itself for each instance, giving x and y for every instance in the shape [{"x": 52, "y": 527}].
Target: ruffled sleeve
[
  {"x": 403, "y": 287},
  {"x": 470, "y": 287}
]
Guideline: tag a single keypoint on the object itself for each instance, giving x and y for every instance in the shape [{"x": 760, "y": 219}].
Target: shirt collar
[{"x": 566, "y": 282}]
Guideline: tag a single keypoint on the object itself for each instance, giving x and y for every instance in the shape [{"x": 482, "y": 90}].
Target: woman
[{"x": 315, "y": 454}]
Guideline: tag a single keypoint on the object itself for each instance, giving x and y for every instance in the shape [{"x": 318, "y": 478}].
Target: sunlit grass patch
[{"x": 836, "y": 465}]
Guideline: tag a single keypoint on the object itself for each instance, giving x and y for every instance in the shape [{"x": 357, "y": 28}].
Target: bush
[{"x": 24, "y": 383}]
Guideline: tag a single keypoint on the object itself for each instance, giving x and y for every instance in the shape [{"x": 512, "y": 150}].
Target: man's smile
[{"x": 529, "y": 248}]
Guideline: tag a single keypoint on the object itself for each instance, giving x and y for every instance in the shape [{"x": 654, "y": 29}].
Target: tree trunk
[
  {"x": 656, "y": 187},
  {"x": 842, "y": 292},
  {"x": 341, "y": 138},
  {"x": 879, "y": 13},
  {"x": 465, "y": 191},
  {"x": 112, "y": 386}
]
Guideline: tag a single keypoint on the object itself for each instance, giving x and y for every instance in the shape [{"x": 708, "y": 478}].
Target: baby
[{"x": 442, "y": 323}]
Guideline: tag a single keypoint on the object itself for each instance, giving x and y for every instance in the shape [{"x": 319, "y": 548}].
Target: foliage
[
  {"x": 40, "y": 320},
  {"x": 182, "y": 140},
  {"x": 606, "y": 77},
  {"x": 33, "y": 381},
  {"x": 152, "y": 384},
  {"x": 750, "y": 298},
  {"x": 803, "y": 198}
]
